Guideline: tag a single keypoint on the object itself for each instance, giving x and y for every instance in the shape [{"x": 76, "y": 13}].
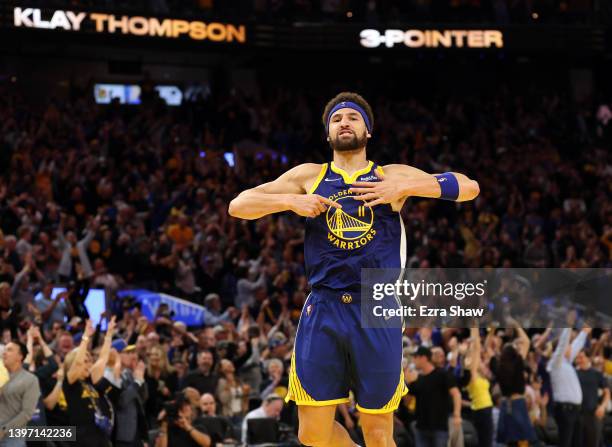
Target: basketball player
[{"x": 352, "y": 209}]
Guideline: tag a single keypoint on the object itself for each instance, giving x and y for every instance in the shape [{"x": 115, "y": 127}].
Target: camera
[{"x": 172, "y": 410}]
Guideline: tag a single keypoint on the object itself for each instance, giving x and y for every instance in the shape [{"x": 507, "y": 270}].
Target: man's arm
[
  {"x": 456, "y": 396},
  {"x": 403, "y": 181},
  {"x": 286, "y": 193},
  {"x": 557, "y": 357},
  {"x": 579, "y": 343}
]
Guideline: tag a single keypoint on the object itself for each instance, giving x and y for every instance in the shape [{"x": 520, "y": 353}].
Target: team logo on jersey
[{"x": 349, "y": 227}]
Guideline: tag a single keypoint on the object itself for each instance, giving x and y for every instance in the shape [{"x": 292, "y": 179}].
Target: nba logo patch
[{"x": 308, "y": 309}]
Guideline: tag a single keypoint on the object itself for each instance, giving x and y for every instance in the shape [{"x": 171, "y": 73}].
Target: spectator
[
  {"x": 246, "y": 286},
  {"x": 436, "y": 395},
  {"x": 567, "y": 393},
  {"x": 53, "y": 310},
  {"x": 85, "y": 389},
  {"x": 43, "y": 368},
  {"x": 593, "y": 409},
  {"x": 514, "y": 425},
  {"x": 277, "y": 382},
  {"x": 19, "y": 395},
  {"x": 202, "y": 379},
  {"x": 131, "y": 425},
  {"x": 8, "y": 311},
  {"x": 162, "y": 381},
  {"x": 212, "y": 311},
  {"x": 74, "y": 252},
  {"x": 181, "y": 233},
  {"x": 271, "y": 407},
  {"x": 208, "y": 405},
  {"x": 232, "y": 393},
  {"x": 4, "y": 374},
  {"x": 177, "y": 428},
  {"x": 479, "y": 392},
  {"x": 220, "y": 432}
]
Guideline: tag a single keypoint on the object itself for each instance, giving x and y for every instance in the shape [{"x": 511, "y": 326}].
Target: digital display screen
[
  {"x": 171, "y": 94},
  {"x": 130, "y": 94}
]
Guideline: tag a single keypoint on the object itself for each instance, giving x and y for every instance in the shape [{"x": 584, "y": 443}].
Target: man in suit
[{"x": 130, "y": 423}]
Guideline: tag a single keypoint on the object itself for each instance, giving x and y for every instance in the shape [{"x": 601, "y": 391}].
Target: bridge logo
[{"x": 351, "y": 226}]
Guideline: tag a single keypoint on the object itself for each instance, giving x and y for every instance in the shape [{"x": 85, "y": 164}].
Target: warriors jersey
[{"x": 340, "y": 242}]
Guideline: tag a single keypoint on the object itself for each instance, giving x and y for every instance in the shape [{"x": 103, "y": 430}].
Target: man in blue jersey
[{"x": 352, "y": 208}]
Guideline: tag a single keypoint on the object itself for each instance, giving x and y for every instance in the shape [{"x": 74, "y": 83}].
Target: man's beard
[{"x": 348, "y": 145}]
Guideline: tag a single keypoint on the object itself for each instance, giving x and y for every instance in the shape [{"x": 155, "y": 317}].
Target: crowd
[
  {"x": 370, "y": 11},
  {"x": 116, "y": 198}
]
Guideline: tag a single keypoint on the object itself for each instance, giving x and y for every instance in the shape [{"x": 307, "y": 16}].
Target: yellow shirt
[
  {"x": 608, "y": 368},
  {"x": 4, "y": 375},
  {"x": 480, "y": 396}
]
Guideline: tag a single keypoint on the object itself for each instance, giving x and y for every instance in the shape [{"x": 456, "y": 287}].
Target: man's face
[
  {"x": 152, "y": 340},
  {"x": 347, "y": 130},
  {"x": 47, "y": 291},
  {"x": 57, "y": 326},
  {"x": 274, "y": 408},
  {"x": 582, "y": 361},
  {"x": 205, "y": 361},
  {"x": 186, "y": 411},
  {"x": 129, "y": 359},
  {"x": 12, "y": 356},
  {"x": 208, "y": 406},
  {"x": 65, "y": 344},
  {"x": 437, "y": 357},
  {"x": 141, "y": 343},
  {"x": 420, "y": 361}
]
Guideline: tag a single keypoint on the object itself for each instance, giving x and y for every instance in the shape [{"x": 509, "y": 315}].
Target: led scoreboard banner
[
  {"x": 103, "y": 23},
  {"x": 105, "y": 26}
]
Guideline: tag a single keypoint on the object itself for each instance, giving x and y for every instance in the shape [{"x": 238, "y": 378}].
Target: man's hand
[
  {"x": 110, "y": 330},
  {"x": 89, "y": 329},
  {"x": 457, "y": 421},
  {"x": 310, "y": 205},
  {"x": 184, "y": 423},
  {"x": 139, "y": 371},
  {"x": 36, "y": 336},
  {"x": 387, "y": 190},
  {"x": 600, "y": 412}
]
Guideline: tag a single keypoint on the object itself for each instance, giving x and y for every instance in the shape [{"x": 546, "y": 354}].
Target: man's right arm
[{"x": 286, "y": 193}]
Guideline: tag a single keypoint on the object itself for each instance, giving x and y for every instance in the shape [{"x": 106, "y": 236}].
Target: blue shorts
[{"x": 334, "y": 355}]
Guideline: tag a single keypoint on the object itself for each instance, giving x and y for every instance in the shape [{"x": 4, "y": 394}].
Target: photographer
[{"x": 177, "y": 429}]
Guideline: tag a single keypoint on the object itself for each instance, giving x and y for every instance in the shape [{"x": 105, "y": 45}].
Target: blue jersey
[{"x": 340, "y": 242}]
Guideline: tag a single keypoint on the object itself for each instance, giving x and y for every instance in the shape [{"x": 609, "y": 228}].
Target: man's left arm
[
  {"x": 600, "y": 411},
  {"x": 456, "y": 396},
  {"x": 399, "y": 182}
]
